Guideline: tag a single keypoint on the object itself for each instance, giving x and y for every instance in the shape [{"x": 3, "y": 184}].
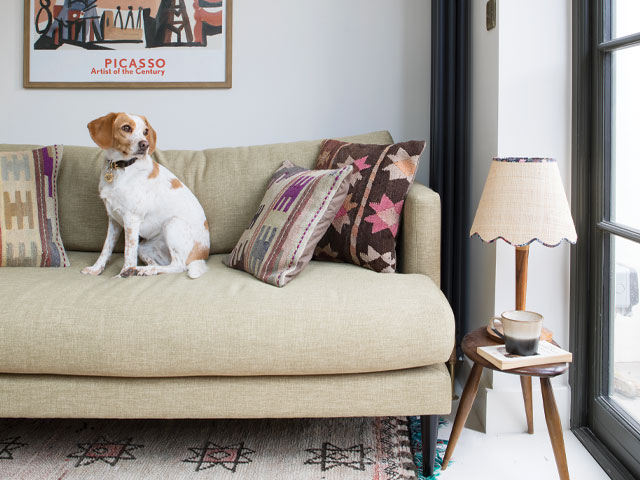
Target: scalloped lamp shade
[{"x": 524, "y": 201}]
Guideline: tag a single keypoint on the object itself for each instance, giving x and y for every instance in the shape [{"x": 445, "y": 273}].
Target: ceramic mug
[{"x": 521, "y": 329}]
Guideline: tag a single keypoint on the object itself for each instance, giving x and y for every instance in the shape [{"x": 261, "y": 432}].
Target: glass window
[
  {"x": 624, "y": 385},
  {"x": 625, "y": 17},
  {"x": 625, "y": 136},
  {"x": 610, "y": 295}
]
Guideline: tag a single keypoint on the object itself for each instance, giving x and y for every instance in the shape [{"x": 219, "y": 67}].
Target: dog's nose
[{"x": 143, "y": 144}]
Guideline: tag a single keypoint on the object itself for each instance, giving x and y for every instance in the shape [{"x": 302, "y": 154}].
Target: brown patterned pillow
[
  {"x": 365, "y": 228},
  {"x": 29, "y": 227}
]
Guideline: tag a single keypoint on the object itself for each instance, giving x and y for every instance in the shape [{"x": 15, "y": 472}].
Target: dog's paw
[
  {"x": 146, "y": 272},
  {"x": 127, "y": 272},
  {"x": 92, "y": 271}
]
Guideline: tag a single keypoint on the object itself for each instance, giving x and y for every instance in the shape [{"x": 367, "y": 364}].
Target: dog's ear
[
  {"x": 152, "y": 136},
  {"x": 101, "y": 130}
]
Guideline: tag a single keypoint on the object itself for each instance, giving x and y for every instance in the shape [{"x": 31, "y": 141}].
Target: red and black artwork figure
[
  {"x": 100, "y": 24},
  {"x": 76, "y": 22},
  {"x": 207, "y": 23}
]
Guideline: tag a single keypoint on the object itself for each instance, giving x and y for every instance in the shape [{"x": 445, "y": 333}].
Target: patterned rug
[{"x": 386, "y": 448}]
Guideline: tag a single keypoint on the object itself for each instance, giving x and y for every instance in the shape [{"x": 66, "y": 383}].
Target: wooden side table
[{"x": 480, "y": 338}]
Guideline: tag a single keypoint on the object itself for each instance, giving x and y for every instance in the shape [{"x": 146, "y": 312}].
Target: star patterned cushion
[
  {"x": 294, "y": 214},
  {"x": 365, "y": 228}
]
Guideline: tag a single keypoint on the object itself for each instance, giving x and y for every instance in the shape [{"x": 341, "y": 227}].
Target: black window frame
[{"x": 605, "y": 430}]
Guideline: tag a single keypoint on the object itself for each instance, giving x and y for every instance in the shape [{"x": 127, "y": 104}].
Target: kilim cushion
[
  {"x": 365, "y": 228},
  {"x": 295, "y": 212},
  {"x": 29, "y": 227}
]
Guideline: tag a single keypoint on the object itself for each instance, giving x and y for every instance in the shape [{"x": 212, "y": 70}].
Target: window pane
[
  {"x": 625, "y": 17},
  {"x": 625, "y": 313},
  {"x": 625, "y": 137}
]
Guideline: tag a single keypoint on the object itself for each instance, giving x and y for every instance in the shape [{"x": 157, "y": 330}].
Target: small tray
[{"x": 546, "y": 335}]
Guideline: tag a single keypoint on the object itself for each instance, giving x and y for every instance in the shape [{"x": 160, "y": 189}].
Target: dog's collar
[
  {"x": 108, "y": 176},
  {"x": 122, "y": 163}
]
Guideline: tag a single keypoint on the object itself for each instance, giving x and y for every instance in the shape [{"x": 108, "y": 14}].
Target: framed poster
[{"x": 127, "y": 43}]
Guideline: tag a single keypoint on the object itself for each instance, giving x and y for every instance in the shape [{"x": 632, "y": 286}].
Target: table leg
[
  {"x": 555, "y": 428},
  {"x": 466, "y": 402},
  {"x": 525, "y": 382}
]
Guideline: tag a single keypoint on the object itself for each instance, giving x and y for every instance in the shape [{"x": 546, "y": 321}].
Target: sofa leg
[{"x": 429, "y": 441}]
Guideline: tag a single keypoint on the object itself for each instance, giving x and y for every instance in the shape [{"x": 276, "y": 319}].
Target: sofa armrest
[{"x": 419, "y": 248}]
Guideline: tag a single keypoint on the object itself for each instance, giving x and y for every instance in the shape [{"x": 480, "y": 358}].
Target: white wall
[
  {"x": 484, "y": 146},
  {"x": 534, "y": 119},
  {"x": 520, "y": 107},
  {"x": 301, "y": 70}
]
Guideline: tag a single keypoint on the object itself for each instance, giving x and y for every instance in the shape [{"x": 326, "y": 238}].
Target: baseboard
[{"x": 500, "y": 409}]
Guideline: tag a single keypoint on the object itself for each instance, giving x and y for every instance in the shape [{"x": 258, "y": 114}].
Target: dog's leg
[
  {"x": 158, "y": 269},
  {"x": 113, "y": 233},
  {"x": 131, "y": 239},
  {"x": 146, "y": 253},
  {"x": 176, "y": 241},
  {"x": 154, "y": 252}
]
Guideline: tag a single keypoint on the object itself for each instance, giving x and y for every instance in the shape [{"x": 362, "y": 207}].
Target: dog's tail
[{"x": 196, "y": 269}]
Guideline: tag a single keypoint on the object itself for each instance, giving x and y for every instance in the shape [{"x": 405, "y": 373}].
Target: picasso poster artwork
[{"x": 128, "y": 43}]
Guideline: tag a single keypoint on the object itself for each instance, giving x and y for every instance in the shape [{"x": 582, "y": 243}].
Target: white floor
[{"x": 479, "y": 456}]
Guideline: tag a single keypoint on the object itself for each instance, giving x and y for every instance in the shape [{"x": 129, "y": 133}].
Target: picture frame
[{"x": 127, "y": 44}]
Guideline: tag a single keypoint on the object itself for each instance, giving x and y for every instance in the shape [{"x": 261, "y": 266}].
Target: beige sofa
[{"x": 337, "y": 341}]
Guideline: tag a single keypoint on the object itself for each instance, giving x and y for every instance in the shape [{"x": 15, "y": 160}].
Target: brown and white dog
[{"x": 162, "y": 219}]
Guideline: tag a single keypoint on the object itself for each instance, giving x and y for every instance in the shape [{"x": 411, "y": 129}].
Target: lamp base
[{"x": 522, "y": 269}]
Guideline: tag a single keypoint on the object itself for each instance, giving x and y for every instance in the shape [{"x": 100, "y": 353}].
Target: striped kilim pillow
[
  {"x": 365, "y": 228},
  {"x": 29, "y": 228},
  {"x": 295, "y": 212}
]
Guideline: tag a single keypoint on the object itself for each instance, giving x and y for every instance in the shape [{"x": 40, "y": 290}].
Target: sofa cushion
[
  {"x": 335, "y": 318},
  {"x": 229, "y": 183},
  {"x": 365, "y": 229},
  {"x": 29, "y": 226},
  {"x": 294, "y": 213}
]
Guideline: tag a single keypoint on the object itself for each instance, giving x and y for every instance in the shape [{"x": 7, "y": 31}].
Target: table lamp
[{"x": 524, "y": 201}]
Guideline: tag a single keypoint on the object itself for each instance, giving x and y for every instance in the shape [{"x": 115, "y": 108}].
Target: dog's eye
[
  {"x": 126, "y": 128},
  {"x": 146, "y": 132}
]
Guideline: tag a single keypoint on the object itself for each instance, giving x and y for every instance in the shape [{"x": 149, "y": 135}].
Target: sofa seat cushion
[{"x": 335, "y": 318}]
